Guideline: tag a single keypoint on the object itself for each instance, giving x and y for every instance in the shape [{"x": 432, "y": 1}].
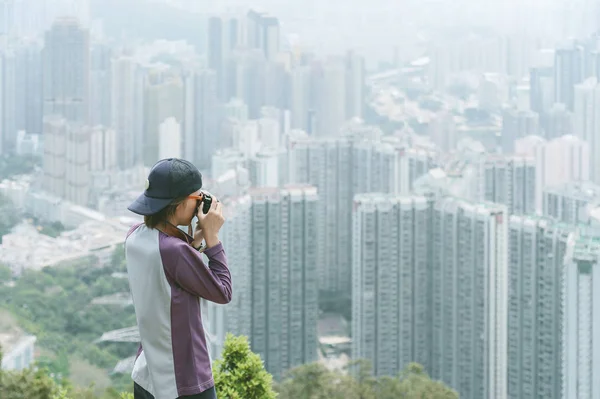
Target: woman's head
[
  {"x": 180, "y": 212},
  {"x": 169, "y": 186}
]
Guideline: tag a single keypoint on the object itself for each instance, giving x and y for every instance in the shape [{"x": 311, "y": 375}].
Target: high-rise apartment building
[
  {"x": 340, "y": 168},
  {"x": 469, "y": 273},
  {"x": 77, "y": 164},
  {"x": 55, "y": 147},
  {"x": 72, "y": 154},
  {"x": 569, "y": 70},
  {"x": 283, "y": 277},
  {"x": 265, "y": 168},
  {"x": 355, "y": 85},
  {"x": 581, "y": 318},
  {"x": 66, "y": 60},
  {"x": 248, "y": 76},
  {"x": 236, "y": 237},
  {"x": 29, "y": 95},
  {"x": 541, "y": 81},
  {"x": 508, "y": 180},
  {"x": 430, "y": 284},
  {"x": 557, "y": 122},
  {"x": 164, "y": 98},
  {"x": 300, "y": 97},
  {"x": 224, "y": 35},
  {"x": 330, "y": 96},
  {"x": 127, "y": 110},
  {"x": 536, "y": 253},
  {"x": 263, "y": 33},
  {"x": 103, "y": 149},
  {"x": 391, "y": 319},
  {"x": 100, "y": 85},
  {"x": 557, "y": 162},
  {"x": 515, "y": 125},
  {"x": 570, "y": 202},
  {"x": 169, "y": 139},
  {"x": 586, "y": 121},
  {"x": 201, "y": 126},
  {"x": 8, "y": 97}
]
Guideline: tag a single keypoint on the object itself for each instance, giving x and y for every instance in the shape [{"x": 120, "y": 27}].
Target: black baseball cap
[{"x": 168, "y": 179}]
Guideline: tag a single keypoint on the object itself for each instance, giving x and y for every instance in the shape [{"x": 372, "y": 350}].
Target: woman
[{"x": 167, "y": 278}]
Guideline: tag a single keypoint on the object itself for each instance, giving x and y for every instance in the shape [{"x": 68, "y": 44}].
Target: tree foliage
[
  {"x": 36, "y": 383},
  {"x": 314, "y": 381},
  {"x": 14, "y": 165},
  {"x": 240, "y": 373},
  {"x": 54, "y": 304}
]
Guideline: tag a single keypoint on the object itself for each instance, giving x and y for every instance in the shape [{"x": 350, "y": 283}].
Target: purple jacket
[{"x": 167, "y": 278}]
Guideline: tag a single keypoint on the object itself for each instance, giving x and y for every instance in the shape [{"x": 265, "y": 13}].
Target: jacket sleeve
[{"x": 186, "y": 267}]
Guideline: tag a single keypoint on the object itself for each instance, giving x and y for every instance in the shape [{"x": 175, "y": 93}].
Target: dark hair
[{"x": 151, "y": 221}]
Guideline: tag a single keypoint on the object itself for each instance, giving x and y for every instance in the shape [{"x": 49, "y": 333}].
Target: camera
[{"x": 206, "y": 201}]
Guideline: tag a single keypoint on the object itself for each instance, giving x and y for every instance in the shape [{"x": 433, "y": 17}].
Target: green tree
[
  {"x": 5, "y": 274},
  {"x": 416, "y": 384},
  {"x": 364, "y": 383},
  {"x": 26, "y": 384},
  {"x": 315, "y": 381},
  {"x": 240, "y": 373}
]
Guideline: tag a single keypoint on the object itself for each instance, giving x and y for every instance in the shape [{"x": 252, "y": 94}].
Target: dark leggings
[{"x": 141, "y": 393}]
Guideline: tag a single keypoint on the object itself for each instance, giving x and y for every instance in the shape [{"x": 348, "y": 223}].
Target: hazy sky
[{"x": 375, "y": 26}]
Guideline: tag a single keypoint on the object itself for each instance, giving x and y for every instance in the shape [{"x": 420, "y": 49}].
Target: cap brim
[{"x": 146, "y": 206}]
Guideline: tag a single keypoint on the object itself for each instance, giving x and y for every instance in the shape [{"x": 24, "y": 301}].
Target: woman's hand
[
  {"x": 198, "y": 235},
  {"x": 211, "y": 222}
]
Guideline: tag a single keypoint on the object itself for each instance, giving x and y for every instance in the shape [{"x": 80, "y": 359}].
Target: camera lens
[{"x": 207, "y": 202}]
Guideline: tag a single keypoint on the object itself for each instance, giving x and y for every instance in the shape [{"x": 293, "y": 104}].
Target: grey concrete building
[
  {"x": 536, "y": 251},
  {"x": 283, "y": 277},
  {"x": 430, "y": 285}
]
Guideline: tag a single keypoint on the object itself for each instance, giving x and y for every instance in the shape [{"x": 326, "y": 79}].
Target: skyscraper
[
  {"x": 330, "y": 100},
  {"x": 223, "y": 37},
  {"x": 201, "y": 126},
  {"x": 263, "y": 34},
  {"x": 66, "y": 71},
  {"x": 581, "y": 318},
  {"x": 77, "y": 164},
  {"x": 249, "y": 76},
  {"x": 55, "y": 147},
  {"x": 541, "y": 80},
  {"x": 515, "y": 125},
  {"x": 558, "y": 161},
  {"x": 570, "y": 202},
  {"x": 469, "y": 297},
  {"x": 100, "y": 85},
  {"x": 355, "y": 85},
  {"x": 29, "y": 75},
  {"x": 8, "y": 98},
  {"x": 284, "y": 296},
  {"x": 300, "y": 97},
  {"x": 169, "y": 140},
  {"x": 236, "y": 237},
  {"x": 391, "y": 319},
  {"x": 509, "y": 180},
  {"x": 557, "y": 122},
  {"x": 67, "y": 159},
  {"x": 430, "y": 279},
  {"x": 586, "y": 121},
  {"x": 127, "y": 110},
  {"x": 536, "y": 251},
  {"x": 164, "y": 98},
  {"x": 568, "y": 71},
  {"x": 340, "y": 168}
]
